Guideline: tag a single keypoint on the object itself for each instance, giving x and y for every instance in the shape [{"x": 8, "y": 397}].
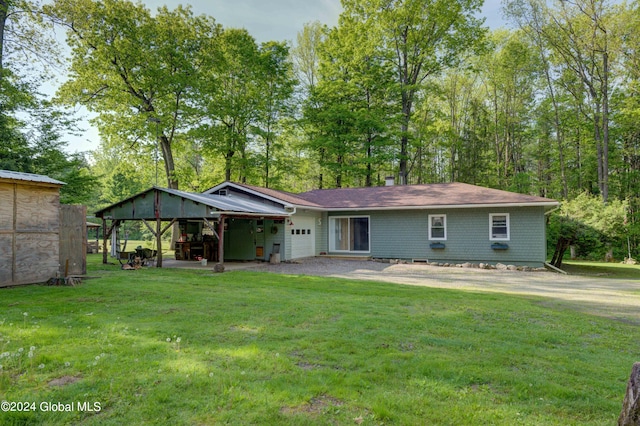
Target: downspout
[{"x": 552, "y": 210}]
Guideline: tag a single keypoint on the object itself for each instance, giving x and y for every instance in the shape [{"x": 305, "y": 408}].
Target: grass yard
[
  {"x": 191, "y": 347},
  {"x": 602, "y": 269}
]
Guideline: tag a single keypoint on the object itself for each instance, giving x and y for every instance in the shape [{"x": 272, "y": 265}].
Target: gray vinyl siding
[
  {"x": 404, "y": 235},
  {"x": 286, "y": 250},
  {"x": 322, "y": 234}
]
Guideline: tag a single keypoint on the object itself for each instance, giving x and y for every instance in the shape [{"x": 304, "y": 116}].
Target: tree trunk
[
  {"x": 267, "y": 154},
  {"x": 561, "y": 248},
  {"x": 169, "y": 165},
  {"x": 605, "y": 127},
  {"x": 630, "y": 415},
  {"x": 227, "y": 165},
  {"x": 368, "y": 176},
  {"x": 4, "y": 8},
  {"x": 599, "y": 152},
  {"x": 321, "y": 176},
  {"x": 404, "y": 138}
]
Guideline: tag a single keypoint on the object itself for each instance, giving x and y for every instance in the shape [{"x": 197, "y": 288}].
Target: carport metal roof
[{"x": 168, "y": 204}]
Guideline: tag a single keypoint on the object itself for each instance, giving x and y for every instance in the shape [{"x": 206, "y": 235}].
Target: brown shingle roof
[{"x": 399, "y": 196}]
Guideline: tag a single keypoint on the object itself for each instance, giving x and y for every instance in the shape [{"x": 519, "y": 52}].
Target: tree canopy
[{"x": 420, "y": 90}]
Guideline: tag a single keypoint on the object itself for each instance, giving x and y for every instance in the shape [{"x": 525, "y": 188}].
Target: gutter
[
  {"x": 232, "y": 214},
  {"x": 435, "y": 207}
]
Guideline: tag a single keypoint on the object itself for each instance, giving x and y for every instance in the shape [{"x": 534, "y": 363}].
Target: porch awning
[{"x": 167, "y": 204}]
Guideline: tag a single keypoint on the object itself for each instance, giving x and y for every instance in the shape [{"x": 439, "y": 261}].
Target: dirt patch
[
  {"x": 315, "y": 406},
  {"x": 64, "y": 380},
  {"x": 308, "y": 366}
]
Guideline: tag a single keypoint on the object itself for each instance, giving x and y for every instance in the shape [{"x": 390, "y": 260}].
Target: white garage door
[{"x": 303, "y": 238}]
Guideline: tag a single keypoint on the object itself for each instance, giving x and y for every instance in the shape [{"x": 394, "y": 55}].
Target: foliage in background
[
  {"x": 592, "y": 228},
  {"x": 30, "y": 127},
  {"x": 549, "y": 108}
]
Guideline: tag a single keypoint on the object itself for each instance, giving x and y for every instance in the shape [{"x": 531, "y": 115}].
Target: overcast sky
[{"x": 265, "y": 20}]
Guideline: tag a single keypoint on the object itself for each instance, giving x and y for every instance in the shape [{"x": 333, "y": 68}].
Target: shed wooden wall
[
  {"x": 29, "y": 233},
  {"x": 73, "y": 240}
]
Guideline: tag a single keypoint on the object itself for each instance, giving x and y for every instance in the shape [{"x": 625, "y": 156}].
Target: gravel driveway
[{"x": 614, "y": 298}]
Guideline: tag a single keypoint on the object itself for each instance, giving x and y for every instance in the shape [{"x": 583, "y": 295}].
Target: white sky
[{"x": 265, "y": 20}]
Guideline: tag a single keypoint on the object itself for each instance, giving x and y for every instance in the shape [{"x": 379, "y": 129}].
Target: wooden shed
[{"x": 30, "y": 228}]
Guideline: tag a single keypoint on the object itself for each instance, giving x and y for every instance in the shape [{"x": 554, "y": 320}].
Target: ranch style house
[{"x": 448, "y": 223}]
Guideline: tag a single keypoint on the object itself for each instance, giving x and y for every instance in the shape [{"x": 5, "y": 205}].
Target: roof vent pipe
[{"x": 389, "y": 181}]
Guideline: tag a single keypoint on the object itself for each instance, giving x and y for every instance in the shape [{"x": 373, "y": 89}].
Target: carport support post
[
  {"x": 221, "y": 239},
  {"x": 104, "y": 241},
  {"x": 159, "y": 243}
]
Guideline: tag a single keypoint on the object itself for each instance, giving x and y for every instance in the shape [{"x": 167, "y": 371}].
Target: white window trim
[
  {"x": 331, "y": 221},
  {"x": 491, "y": 237},
  {"x": 431, "y": 238}
]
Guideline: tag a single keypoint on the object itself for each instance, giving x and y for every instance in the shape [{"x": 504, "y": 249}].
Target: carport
[{"x": 217, "y": 213}]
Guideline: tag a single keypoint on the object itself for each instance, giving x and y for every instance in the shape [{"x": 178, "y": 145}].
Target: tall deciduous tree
[
  {"x": 24, "y": 36},
  {"x": 509, "y": 75},
  {"x": 306, "y": 56},
  {"x": 230, "y": 99},
  {"x": 350, "y": 109},
  {"x": 242, "y": 100},
  {"x": 277, "y": 85},
  {"x": 419, "y": 38},
  {"x": 135, "y": 70},
  {"x": 582, "y": 37}
]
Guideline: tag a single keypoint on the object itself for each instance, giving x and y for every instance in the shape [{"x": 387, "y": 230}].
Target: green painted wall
[
  {"x": 404, "y": 235},
  {"x": 142, "y": 207},
  {"x": 239, "y": 240}
]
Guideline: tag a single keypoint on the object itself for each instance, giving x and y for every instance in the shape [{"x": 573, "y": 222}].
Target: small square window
[
  {"x": 308, "y": 231},
  {"x": 304, "y": 232},
  {"x": 293, "y": 232},
  {"x": 297, "y": 232}
]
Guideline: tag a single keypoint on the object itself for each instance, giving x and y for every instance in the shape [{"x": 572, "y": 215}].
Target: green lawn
[
  {"x": 192, "y": 347},
  {"x": 602, "y": 269}
]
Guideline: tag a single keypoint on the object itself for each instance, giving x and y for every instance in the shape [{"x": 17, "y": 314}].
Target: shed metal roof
[
  {"x": 228, "y": 204},
  {"x": 28, "y": 177},
  {"x": 140, "y": 206}
]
